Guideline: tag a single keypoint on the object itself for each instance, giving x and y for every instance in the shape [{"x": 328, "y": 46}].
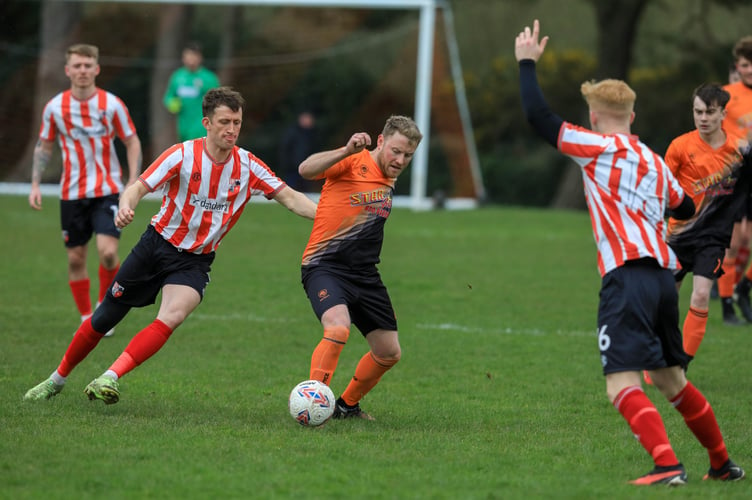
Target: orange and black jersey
[
  {"x": 356, "y": 200},
  {"x": 738, "y": 120},
  {"x": 718, "y": 181}
]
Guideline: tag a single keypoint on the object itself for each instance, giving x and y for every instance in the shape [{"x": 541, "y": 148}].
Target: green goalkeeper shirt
[{"x": 185, "y": 92}]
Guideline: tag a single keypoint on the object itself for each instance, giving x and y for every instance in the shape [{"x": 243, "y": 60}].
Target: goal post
[{"x": 418, "y": 198}]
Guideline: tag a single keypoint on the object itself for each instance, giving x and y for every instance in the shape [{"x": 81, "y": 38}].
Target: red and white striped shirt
[
  {"x": 203, "y": 198},
  {"x": 627, "y": 187},
  {"x": 86, "y": 131}
]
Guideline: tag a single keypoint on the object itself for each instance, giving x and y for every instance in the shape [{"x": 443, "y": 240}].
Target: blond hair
[
  {"x": 84, "y": 50},
  {"x": 609, "y": 96},
  {"x": 405, "y": 126}
]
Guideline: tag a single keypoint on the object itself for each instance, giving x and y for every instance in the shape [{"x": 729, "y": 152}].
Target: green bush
[{"x": 522, "y": 173}]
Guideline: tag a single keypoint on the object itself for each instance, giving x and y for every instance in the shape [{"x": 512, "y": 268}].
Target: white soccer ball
[{"x": 311, "y": 403}]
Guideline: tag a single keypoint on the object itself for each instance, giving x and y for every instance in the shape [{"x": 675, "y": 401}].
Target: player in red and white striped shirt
[
  {"x": 628, "y": 189},
  {"x": 85, "y": 121},
  {"x": 206, "y": 183}
]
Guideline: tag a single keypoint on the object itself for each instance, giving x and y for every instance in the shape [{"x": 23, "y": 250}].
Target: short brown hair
[
  {"x": 743, "y": 48},
  {"x": 405, "y": 126},
  {"x": 712, "y": 93},
  {"x": 221, "y": 96},
  {"x": 82, "y": 49},
  {"x": 611, "y": 96}
]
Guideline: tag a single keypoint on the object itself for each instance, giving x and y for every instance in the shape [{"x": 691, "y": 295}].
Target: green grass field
[{"x": 499, "y": 393}]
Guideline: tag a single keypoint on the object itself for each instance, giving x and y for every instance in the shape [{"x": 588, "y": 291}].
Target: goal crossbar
[{"x": 424, "y": 68}]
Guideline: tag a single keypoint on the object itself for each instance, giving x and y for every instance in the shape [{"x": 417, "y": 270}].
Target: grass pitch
[{"x": 499, "y": 392}]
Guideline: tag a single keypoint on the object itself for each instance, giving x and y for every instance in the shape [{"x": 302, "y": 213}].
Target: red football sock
[
  {"x": 80, "y": 291},
  {"x": 693, "y": 331},
  {"x": 144, "y": 345},
  {"x": 105, "y": 280},
  {"x": 326, "y": 355},
  {"x": 84, "y": 341},
  {"x": 699, "y": 417},
  {"x": 367, "y": 375},
  {"x": 646, "y": 424}
]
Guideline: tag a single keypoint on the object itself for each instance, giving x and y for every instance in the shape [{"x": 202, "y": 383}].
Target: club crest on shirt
[
  {"x": 234, "y": 186},
  {"x": 117, "y": 290},
  {"x": 363, "y": 171}
]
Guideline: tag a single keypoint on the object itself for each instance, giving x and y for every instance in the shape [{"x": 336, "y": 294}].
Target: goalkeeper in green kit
[{"x": 186, "y": 90}]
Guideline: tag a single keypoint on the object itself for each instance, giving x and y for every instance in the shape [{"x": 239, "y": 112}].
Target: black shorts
[
  {"x": 80, "y": 219},
  {"x": 363, "y": 293},
  {"x": 638, "y": 319},
  {"x": 704, "y": 261},
  {"x": 154, "y": 263}
]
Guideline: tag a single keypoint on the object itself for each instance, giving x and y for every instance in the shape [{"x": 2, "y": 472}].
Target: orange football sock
[
  {"x": 748, "y": 274},
  {"x": 367, "y": 375},
  {"x": 326, "y": 355},
  {"x": 694, "y": 328},
  {"x": 84, "y": 341},
  {"x": 144, "y": 345},
  {"x": 699, "y": 417},
  {"x": 727, "y": 281},
  {"x": 646, "y": 424},
  {"x": 80, "y": 291},
  {"x": 105, "y": 280}
]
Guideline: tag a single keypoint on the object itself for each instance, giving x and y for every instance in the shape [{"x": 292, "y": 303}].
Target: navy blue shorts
[
  {"x": 80, "y": 219},
  {"x": 638, "y": 319},
  {"x": 154, "y": 263},
  {"x": 701, "y": 261},
  {"x": 363, "y": 293}
]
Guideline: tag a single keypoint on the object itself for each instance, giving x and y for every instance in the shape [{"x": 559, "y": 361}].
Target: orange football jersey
[{"x": 356, "y": 201}]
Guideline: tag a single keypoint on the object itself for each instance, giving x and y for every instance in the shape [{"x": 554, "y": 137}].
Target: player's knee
[
  {"x": 388, "y": 360},
  {"x": 109, "y": 259},
  {"x": 107, "y": 315},
  {"x": 338, "y": 334},
  {"x": 172, "y": 319},
  {"x": 700, "y": 300},
  {"x": 76, "y": 262}
]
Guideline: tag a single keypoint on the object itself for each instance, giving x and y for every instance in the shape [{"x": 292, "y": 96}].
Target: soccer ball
[{"x": 311, "y": 403}]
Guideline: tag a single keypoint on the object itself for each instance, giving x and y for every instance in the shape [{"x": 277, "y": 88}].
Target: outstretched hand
[{"x": 527, "y": 46}]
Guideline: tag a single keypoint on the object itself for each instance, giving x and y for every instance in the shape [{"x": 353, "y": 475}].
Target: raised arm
[
  {"x": 527, "y": 50},
  {"x": 527, "y": 45},
  {"x": 317, "y": 163},
  {"x": 42, "y": 154}
]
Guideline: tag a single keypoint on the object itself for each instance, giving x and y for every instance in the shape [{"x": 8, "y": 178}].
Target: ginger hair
[{"x": 610, "y": 96}]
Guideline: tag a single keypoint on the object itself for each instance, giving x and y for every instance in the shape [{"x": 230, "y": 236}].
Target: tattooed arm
[{"x": 42, "y": 153}]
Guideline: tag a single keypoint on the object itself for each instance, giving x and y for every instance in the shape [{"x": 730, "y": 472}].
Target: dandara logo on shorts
[{"x": 209, "y": 204}]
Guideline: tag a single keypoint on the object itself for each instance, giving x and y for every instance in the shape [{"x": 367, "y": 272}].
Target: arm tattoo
[{"x": 39, "y": 163}]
